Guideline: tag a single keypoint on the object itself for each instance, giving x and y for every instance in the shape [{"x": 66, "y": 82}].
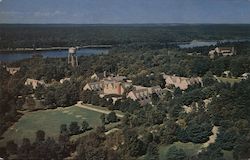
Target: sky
[{"x": 124, "y": 11}]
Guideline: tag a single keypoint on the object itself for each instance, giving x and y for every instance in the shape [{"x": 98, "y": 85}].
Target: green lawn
[
  {"x": 49, "y": 121},
  {"x": 189, "y": 148},
  {"x": 228, "y": 155}
]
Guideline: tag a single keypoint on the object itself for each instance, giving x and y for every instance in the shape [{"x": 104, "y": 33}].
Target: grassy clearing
[
  {"x": 228, "y": 155},
  {"x": 189, "y": 148},
  {"x": 49, "y": 121},
  {"x": 229, "y": 80}
]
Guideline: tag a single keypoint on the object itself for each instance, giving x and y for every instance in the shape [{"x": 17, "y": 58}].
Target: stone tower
[{"x": 72, "y": 57}]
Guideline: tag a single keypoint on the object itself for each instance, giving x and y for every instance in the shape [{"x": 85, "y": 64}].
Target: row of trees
[
  {"x": 45, "y": 148},
  {"x": 109, "y": 118},
  {"x": 59, "y": 95},
  {"x": 74, "y": 128},
  {"x": 10, "y": 88}
]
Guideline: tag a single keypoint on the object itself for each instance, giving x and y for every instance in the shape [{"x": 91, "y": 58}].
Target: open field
[
  {"x": 228, "y": 155},
  {"x": 48, "y": 121},
  {"x": 189, "y": 148},
  {"x": 228, "y": 80}
]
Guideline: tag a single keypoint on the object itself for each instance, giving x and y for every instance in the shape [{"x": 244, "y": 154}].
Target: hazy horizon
[
  {"x": 158, "y": 24},
  {"x": 125, "y": 12}
]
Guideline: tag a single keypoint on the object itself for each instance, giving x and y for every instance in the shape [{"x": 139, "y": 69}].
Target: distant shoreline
[{"x": 31, "y": 50}]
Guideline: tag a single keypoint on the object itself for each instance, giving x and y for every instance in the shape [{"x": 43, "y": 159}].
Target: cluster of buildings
[
  {"x": 118, "y": 86},
  {"x": 34, "y": 83},
  {"x": 12, "y": 70},
  {"x": 228, "y": 74},
  {"x": 108, "y": 85},
  {"x": 222, "y": 51},
  {"x": 121, "y": 86}
]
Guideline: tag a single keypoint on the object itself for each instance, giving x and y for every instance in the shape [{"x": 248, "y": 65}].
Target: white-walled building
[
  {"x": 117, "y": 85},
  {"x": 12, "y": 70},
  {"x": 245, "y": 76},
  {"x": 34, "y": 83},
  {"x": 223, "y": 51}
]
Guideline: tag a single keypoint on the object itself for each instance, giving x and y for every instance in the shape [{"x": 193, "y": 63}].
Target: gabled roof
[
  {"x": 98, "y": 75},
  {"x": 93, "y": 86}
]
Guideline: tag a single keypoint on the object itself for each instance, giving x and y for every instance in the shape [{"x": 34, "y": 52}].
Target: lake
[
  {"x": 197, "y": 43},
  {"x": 16, "y": 56}
]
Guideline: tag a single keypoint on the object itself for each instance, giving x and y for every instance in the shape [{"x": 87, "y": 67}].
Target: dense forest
[
  {"x": 143, "y": 129},
  {"x": 153, "y": 36}
]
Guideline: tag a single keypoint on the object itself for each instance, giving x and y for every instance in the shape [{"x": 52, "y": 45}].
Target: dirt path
[
  {"x": 111, "y": 131},
  {"x": 212, "y": 138},
  {"x": 97, "y": 109}
]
